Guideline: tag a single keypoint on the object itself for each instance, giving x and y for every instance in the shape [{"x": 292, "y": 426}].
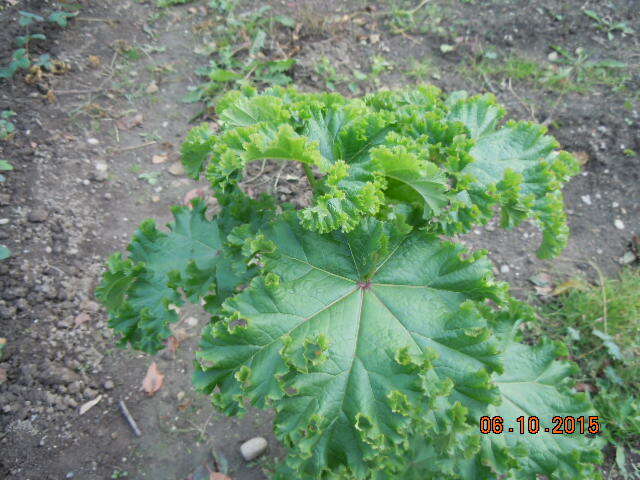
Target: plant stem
[{"x": 311, "y": 177}]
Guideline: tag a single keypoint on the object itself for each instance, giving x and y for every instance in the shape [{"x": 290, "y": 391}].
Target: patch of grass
[
  {"x": 567, "y": 72},
  {"x": 601, "y": 326},
  {"x": 421, "y": 70},
  {"x": 514, "y": 67}
]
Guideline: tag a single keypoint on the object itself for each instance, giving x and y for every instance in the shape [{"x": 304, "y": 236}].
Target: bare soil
[{"x": 76, "y": 196}]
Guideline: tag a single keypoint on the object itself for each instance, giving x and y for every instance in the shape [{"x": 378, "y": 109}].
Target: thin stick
[
  {"x": 135, "y": 147},
  {"x": 129, "y": 418},
  {"x": 76, "y": 92},
  {"x": 604, "y": 294}
]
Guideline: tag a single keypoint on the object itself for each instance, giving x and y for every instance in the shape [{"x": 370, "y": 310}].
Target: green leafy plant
[
  {"x": 242, "y": 54},
  {"x": 6, "y": 126},
  {"x": 4, "y": 166},
  {"x": 20, "y": 59},
  {"x": 579, "y": 72},
  {"x": 609, "y": 26},
  {"x": 378, "y": 342}
]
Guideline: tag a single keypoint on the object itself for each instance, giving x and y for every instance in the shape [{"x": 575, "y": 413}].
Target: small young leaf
[
  {"x": 61, "y": 17},
  {"x": 27, "y": 18},
  {"x": 4, "y": 252}
]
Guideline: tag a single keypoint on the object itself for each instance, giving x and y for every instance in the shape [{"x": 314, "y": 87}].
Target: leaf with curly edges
[
  {"x": 336, "y": 331},
  {"x": 140, "y": 291},
  {"x": 523, "y": 163}
]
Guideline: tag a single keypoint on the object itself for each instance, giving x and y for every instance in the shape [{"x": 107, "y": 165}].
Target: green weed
[
  {"x": 6, "y": 126},
  {"x": 609, "y": 26},
  {"x": 20, "y": 59},
  {"x": 243, "y": 52},
  {"x": 601, "y": 326}
]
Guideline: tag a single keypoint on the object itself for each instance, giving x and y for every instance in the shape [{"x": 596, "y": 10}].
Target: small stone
[
  {"x": 108, "y": 385},
  {"x": 618, "y": 224},
  {"x": 58, "y": 375},
  {"x": 191, "y": 321},
  {"x": 37, "y": 215},
  {"x": 176, "y": 169},
  {"x": 504, "y": 269},
  {"x": 586, "y": 199},
  {"x": 108, "y": 196},
  {"x": 253, "y": 448},
  {"x": 93, "y": 141},
  {"x": 155, "y": 198},
  {"x": 4, "y": 221},
  {"x": 101, "y": 172}
]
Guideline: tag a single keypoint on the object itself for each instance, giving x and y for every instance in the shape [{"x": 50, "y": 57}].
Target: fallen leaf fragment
[
  {"x": 153, "y": 380},
  {"x": 573, "y": 284},
  {"x": 152, "y": 88},
  {"x": 130, "y": 122},
  {"x": 95, "y": 61},
  {"x": 3, "y": 375},
  {"x": 81, "y": 318},
  {"x": 84, "y": 408},
  {"x": 172, "y": 344},
  {"x": 159, "y": 158},
  {"x": 192, "y": 194},
  {"x": 219, "y": 476}
]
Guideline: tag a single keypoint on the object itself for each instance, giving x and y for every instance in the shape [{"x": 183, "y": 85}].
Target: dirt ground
[{"x": 84, "y": 163}]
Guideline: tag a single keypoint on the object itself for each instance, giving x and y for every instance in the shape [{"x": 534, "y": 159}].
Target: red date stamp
[{"x": 531, "y": 425}]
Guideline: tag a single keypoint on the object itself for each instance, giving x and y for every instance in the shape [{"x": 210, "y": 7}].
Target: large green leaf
[
  {"x": 339, "y": 329},
  {"x": 521, "y": 162},
  {"x": 377, "y": 345},
  {"x": 194, "y": 259},
  {"x": 445, "y": 162}
]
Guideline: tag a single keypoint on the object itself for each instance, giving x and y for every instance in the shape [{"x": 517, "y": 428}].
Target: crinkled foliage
[{"x": 378, "y": 344}]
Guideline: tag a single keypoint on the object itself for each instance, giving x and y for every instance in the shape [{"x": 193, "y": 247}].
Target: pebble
[
  {"x": 108, "y": 385},
  {"x": 191, "y": 321},
  {"x": 253, "y": 448},
  {"x": 618, "y": 224},
  {"x": 4, "y": 221},
  {"x": 504, "y": 269},
  {"x": 37, "y": 215},
  {"x": 101, "y": 173},
  {"x": 93, "y": 141},
  {"x": 586, "y": 199},
  {"x": 176, "y": 169}
]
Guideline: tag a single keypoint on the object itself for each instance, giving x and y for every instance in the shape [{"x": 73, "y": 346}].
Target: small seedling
[
  {"x": 584, "y": 72},
  {"x": 7, "y": 128},
  {"x": 4, "y": 167},
  {"x": 150, "y": 177},
  {"x": 609, "y": 26}
]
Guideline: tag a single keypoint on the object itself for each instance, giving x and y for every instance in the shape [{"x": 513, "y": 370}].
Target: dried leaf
[
  {"x": 192, "y": 194},
  {"x": 3, "y": 375},
  {"x": 153, "y": 380},
  {"x": 95, "y": 61},
  {"x": 172, "y": 344},
  {"x": 582, "y": 157},
  {"x": 130, "y": 122},
  {"x": 89, "y": 405},
  {"x": 81, "y": 318},
  {"x": 152, "y": 88},
  {"x": 219, "y": 476},
  {"x": 159, "y": 158},
  {"x": 573, "y": 284}
]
